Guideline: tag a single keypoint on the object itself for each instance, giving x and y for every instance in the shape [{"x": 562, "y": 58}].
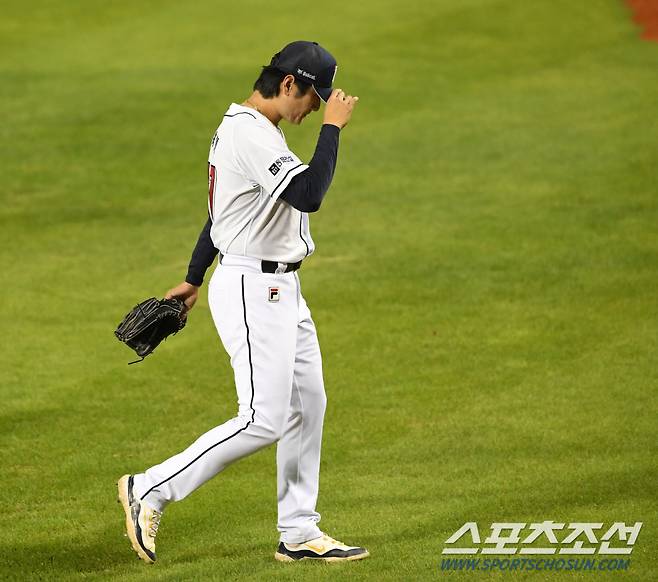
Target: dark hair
[{"x": 270, "y": 80}]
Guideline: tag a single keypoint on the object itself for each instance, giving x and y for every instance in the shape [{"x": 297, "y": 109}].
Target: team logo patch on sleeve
[
  {"x": 276, "y": 166},
  {"x": 273, "y": 294}
]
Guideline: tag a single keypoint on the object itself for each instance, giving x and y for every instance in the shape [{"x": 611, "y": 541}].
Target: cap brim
[{"x": 323, "y": 92}]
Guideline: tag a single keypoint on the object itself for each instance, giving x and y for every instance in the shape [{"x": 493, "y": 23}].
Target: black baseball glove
[{"x": 149, "y": 323}]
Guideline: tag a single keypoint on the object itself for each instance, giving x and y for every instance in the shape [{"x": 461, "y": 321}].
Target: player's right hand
[
  {"x": 338, "y": 110},
  {"x": 186, "y": 292}
]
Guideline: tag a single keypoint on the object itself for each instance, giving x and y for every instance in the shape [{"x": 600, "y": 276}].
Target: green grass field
[{"x": 485, "y": 282}]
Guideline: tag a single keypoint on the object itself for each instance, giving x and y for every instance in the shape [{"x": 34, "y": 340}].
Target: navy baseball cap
[{"x": 308, "y": 62}]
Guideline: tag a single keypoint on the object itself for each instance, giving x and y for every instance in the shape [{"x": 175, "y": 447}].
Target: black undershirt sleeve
[
  {"x": 202, "y": 257},
  {"x": 306, "y": 190}
]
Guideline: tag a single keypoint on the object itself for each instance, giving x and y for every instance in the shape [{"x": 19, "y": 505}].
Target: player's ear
[{"x": 288, "y": 82}]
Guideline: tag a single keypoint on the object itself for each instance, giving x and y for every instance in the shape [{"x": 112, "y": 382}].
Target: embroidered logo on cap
[{"x": 305, "y": 74}]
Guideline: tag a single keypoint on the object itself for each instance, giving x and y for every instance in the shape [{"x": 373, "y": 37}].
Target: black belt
[{"x": 272, "y": 266}]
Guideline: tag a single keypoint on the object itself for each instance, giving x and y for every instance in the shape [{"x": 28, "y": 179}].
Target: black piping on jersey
[
  {"x": 301, "y": 217},
  {"x": 251, "y": 406},
  {"x": 240, "y": 113},
  {"x": 284, "y": 179}
]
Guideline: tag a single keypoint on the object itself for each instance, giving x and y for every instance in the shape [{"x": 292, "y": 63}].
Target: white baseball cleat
[
  {"x": 323, "y": 548},
  {"x": 142, "y": 521}
]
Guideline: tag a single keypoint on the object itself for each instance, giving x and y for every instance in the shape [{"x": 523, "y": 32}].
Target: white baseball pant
[{"x": 267, "y": 330}]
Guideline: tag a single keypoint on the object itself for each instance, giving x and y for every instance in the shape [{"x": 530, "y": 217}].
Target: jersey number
[{"x": 212, "y": 178}]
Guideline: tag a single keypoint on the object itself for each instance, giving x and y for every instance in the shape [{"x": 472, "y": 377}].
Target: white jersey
[{"x": 249, "y": 166}]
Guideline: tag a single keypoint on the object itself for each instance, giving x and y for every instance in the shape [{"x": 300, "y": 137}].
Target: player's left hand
[{"x": 186, "y": 292}]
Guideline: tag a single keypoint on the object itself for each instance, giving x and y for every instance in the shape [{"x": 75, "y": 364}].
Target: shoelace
[
  {"x": 154, "y": 523},
  {"x": 332, "y": 540}
]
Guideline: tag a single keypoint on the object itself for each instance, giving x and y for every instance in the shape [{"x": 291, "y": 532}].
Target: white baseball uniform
[{"x": 264, "y": 324}]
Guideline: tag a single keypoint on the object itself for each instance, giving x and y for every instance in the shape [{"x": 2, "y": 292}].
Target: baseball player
[{"x": 259, "y": 197}]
